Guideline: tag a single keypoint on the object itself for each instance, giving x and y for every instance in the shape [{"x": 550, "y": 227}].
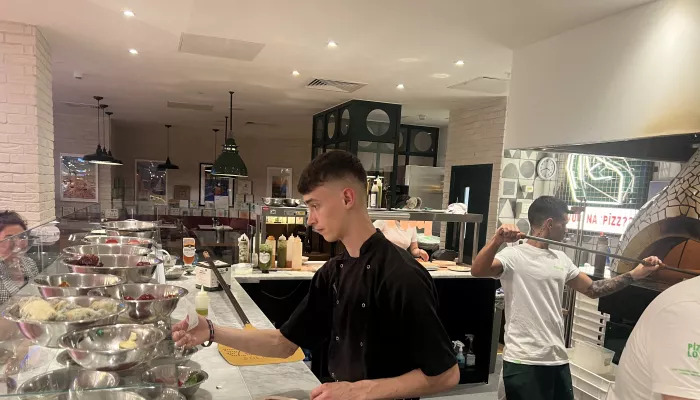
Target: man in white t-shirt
[
  {"x": 535, "y": 364},
  {"x": 662, "y": 357}
]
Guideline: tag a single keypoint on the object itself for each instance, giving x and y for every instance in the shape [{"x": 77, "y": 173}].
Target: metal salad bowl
[
  {"x": 147, "y": 311},
  {"x": 61, "y": 380},
  {"x": 171, "y": 394},
  {"x": 98, "y": 348},
  {"x": 174, "y": 272},
  {"x": 48, "y": 333},
  {"x": 291, "y": 202},
  {"x": 166, "y": 353},
  {"x": 117, "y": 264},
  {"x": 170, "y": 375},
  {"x": 104, "y": 249},
  {"x": 132, "y": 227},
  {"x": 272, "y": 201},
  {"x": 78, "y": 284},
  {"x": 123, "y": 240}
]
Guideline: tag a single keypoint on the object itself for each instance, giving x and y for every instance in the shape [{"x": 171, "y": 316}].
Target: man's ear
[{"x": 349, "y": 197}]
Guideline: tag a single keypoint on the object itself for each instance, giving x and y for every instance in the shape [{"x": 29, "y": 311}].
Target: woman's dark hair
[
  {"x": 9, "y": 218},
  {"x": 331, "y": 166}
]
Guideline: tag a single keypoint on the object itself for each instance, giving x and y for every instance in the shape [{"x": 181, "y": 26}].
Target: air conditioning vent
[
  {"x": 79, "y": 105},
  {"x": 190, "y": 106},
  {"x": 484, "y": 84},
  {"x": 334, "y": 86},
  {"x": 219, "y": 47}
]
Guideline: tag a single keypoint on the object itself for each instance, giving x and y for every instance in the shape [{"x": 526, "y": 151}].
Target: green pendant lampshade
[
  {"x": 167, "y": 164},
  {"x": 229, "y": 163}
]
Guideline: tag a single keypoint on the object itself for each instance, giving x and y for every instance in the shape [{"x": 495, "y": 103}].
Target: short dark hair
[
  {"x": 9, "y": 218},
  {"x": 331, "y": 166},
  {"x": 545, "y": 207}
]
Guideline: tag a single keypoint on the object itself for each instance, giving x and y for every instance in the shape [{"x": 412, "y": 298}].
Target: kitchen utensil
[
  {"x": 123, "y": 240},
  {"x": 603, "y": 253},
  {"x": 131, "y": 227},
  {"x": 61, "y": 380},
  {"x": 48, "y": 333},
  {"x": 147, "y": 311},
  {"x": 170, "y": 375},
  {"x": 291, "y": 202},
  {"x": 104, "y": 249},
  {"x": 78, "y": 284},
  {"x": 273, "y": 202},
  {"x": 98, "y": 348},
  {"x": 118, "y": 264}
]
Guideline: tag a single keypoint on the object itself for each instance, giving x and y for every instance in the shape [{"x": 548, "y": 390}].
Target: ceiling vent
[
  {"x": 334, "y": 86},
  {"x": 260, "y": 123},
  {"x": 483, "y": 84},
  {"x": 78, "y": 105},
  {"x": 219, "y": 47},
  {"x": 190, "y": 106}
]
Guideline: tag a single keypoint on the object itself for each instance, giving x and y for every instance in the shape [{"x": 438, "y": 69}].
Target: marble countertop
[
  {"x": 239, "y": 383},
  {"x": 258, "y": 276}
]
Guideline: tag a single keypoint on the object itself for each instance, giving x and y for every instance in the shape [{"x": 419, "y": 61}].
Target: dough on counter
[
  {"x": 130, "y": 343},
  {"x": 105, "y": 307},
  {"x": 37, "y": 309},
  {"x": 62, "y": 305},
  {"x": 78, "y": 314}
]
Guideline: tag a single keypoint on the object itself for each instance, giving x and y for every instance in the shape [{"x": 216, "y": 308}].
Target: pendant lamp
[
  {"x": 98, "y": 153},
  {"x": 208, "y": 168},
  {"x": 103, "y": 158},
  {"x": 168, "y": 165},
  {"x": 109, "y": 153},
  {"x": 230, "y": 163}
]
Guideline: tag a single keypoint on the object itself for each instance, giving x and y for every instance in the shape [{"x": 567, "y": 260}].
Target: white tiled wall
[
  {"x": 26, "y": 123},
  {"x": 476, "y": 137}
]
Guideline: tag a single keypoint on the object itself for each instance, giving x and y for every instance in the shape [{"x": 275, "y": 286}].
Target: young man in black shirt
[{"x": 375, "y": 304}]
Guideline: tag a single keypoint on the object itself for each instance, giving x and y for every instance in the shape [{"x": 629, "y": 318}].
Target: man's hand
[
  {"x": 651, "y": 264},
  {"x": 196, "y": 336},
  {"x": 508, "y": 234},
  {"x": 341, "y": 390}
]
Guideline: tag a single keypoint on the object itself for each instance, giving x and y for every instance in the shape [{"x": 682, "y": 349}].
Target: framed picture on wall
[
  {"x": 78, "y": 179},
  {"x": 151, "y": 183},
  {"x": 279, "y": 182},
  {"x": 211, "y": 187}
]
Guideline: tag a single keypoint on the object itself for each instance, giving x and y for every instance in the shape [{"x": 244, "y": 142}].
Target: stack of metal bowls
[
  {"x": 103, "y": 249},
  {"x": 122, "y": 265},
  {"x": 47, "y": 333},
  {"x": 122, "y": 240},
  {"x": 164, "y": 303},
  {"x": 169, "y": 375},
  {"x": 61, "y": 380},
  {"x": 132, "y": 227},
  {"x": 63, "y": 285}
]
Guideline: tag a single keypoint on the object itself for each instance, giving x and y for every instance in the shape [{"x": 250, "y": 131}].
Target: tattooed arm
[{"x": 595, "y": 289}]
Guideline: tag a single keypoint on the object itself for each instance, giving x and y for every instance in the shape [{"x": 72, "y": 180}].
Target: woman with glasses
[{"x": 16, "y": 269}]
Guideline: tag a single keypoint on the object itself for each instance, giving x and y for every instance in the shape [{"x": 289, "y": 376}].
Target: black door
[{"x": 472, "y": 182}]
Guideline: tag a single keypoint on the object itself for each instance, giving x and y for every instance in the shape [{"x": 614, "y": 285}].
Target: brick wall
[
  {"x": 26, "y": 123},
  {"x": 77, "y": 134},
  {"x": 476, "y": 135}
]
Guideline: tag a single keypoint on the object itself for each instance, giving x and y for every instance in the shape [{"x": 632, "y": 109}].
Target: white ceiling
[{"x": 381, "y": 43}]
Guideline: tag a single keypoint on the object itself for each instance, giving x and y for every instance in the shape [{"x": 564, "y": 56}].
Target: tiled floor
[{"x": 475, "y": 391}]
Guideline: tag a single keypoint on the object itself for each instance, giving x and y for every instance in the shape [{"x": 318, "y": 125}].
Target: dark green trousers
[{"x": 537, "y": 382}]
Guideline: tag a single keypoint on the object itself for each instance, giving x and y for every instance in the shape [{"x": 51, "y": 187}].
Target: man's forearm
[
  {"x": 411, "y": 384},
  {"x": 483, "y": 261},
  {"x": 265, "y": 342},
  {"x": 605, "y": 287}
]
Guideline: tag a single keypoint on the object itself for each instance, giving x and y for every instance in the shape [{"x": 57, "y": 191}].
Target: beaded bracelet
[{"x": 211, "y": 334}]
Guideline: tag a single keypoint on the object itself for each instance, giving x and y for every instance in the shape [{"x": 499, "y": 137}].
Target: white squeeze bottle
[
  {"x": 373, "y": 195},
  {"x": 201, "y": 302}
]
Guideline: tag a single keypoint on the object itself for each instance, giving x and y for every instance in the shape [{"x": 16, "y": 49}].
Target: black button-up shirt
[{"x": 380, "y": 310}]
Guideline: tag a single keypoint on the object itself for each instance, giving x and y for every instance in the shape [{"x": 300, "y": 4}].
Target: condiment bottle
[
  {"x": 273, "y": 245},
  {"x": 379, "y": 191},
  {"x": 265, "y": 258},
  {"x": 281, "y": 252},
  {"x": 290, "y": 251},
  {"x": 243, "y": 252},
  {"x": 373, "y": 195},
  {"x": 201, "y": 302},
  {"x": 188, "y": 251},
  {"x": 296, "y": 260}
]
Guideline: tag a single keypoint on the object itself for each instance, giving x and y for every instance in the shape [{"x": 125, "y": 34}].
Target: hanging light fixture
[
  {"x": 230, "y": 163},
  {"x": 168, "y": 165},
  {"x": 109, "y": 153},
  {"x": 103, "y": 158},
  {"x": 216, "y": 131},
  {"x": 98, "y": 153}
]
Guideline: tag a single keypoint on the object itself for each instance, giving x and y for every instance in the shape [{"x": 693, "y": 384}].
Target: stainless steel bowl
[
  {"x": 48, "y": 333},
  {"x": 272, "y": 201},
  {"x": 123, "y": 240},
  {"x": 291, "y": 202},
  {"x": 98, "y": 348},
  {"x": 61, "y": 380},
  {"x": 132, "y": 227},
  {"x": 104, "y": 249},
  {"x": 174, "y": 272},
  {"x": 171, "y": 394},
  {"x": 166, "y": 353},
  {"x": 79, "y": 284},
  {"x": 147, "y": 311},
  {"x": 169, "y": 375},
  {"x": 117, "y": 264}
]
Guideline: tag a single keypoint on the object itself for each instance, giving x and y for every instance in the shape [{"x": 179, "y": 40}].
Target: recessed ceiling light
[
  {"x": 128, "y": 13},
  {"x": 332, "y": 44},
  {"x": 295, "y": 73},
  {"x": 400, "y": 86},
  {"x": 409, "y": 59},
  {"x": 133, "y": 51},
  {"x": 459, "y": 63},
  {"x": 440, "y": 76}
]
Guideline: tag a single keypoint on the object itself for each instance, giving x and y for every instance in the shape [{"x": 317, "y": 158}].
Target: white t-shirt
[
  {"x": 662, "y": 355},
  {"x": 392, "y": 231},
  {"x": 533, "y": 282}
]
